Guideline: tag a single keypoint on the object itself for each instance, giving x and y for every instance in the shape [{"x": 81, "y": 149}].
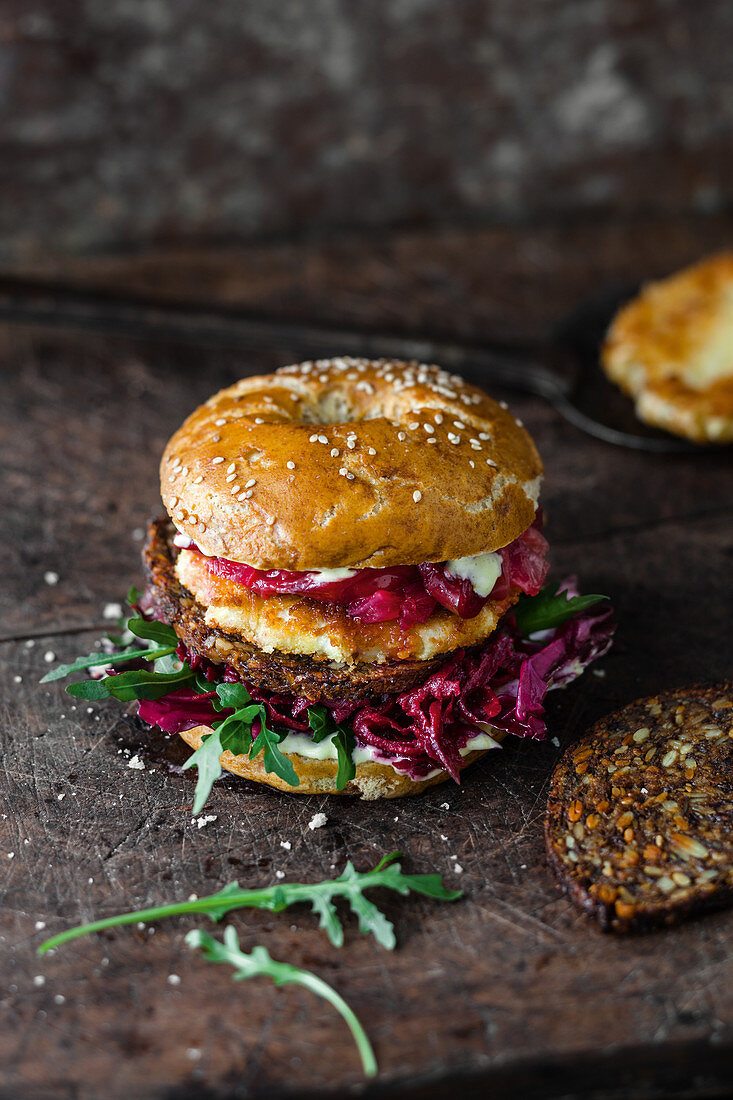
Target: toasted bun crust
[
  {"x": 391, "y": 463},
  {"x": 671, "y": 349},
  {"x": 371, "y": 781}
]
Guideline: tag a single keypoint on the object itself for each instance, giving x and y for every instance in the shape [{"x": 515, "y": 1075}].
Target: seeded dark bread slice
[{"x": 639, "y": 824}]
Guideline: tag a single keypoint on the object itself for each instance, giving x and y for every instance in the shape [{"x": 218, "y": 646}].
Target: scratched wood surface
[{"x": 508, "y": 990}]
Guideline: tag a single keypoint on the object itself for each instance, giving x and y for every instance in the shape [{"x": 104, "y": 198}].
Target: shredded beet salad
[
  {"x": 407, "y": 593},
  {"x": 503, "y": 685}
]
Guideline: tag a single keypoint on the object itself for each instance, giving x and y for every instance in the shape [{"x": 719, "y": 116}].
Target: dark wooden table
[{"x": 509, "y": 992}]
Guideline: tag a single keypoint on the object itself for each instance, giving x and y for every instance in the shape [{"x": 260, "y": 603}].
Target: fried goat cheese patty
[{"x": 296, "y": 624}]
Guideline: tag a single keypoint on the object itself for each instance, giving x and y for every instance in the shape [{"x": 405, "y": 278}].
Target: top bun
[
  {"x": 350, "y": 462},
  {"x": 670, "y": 349}
]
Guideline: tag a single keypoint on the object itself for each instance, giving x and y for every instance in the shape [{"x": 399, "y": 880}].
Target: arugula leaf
[
  {"x": 259, "y": 963},
  {"x": 345, "y": 743},
  {"x": 320, "y": 723},
  {"x": 96, "y": 660},
  {"x": 267, "y": 742},
  {"x": 138, "y": 684},
  {"x": 323, "y": 726},
  {"x": 206, "y": 760},
  {"x": 550, "y": 608},
  {"x": 350, "y": 884},
  {"x": 233, "y": 733},
  {"x": 231, "y": 695},
  {"x": 157, "y": 632}
]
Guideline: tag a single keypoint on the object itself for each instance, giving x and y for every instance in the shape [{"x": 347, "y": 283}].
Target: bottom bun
[{"x": 372, "y": 780}]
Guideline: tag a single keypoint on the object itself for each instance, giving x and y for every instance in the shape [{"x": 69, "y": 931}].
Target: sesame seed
[
  {"x": 322, "y": 439},
  {"x": 401, "y": 436},
  {"x": 231, "y": 467},
  {"x": 349, "y": 477},
  {"x": 217, "y": 460},
  {"x": 216, "y": 439},
  {"x": 231, "y": 477},
  {"x": 453, "y": 438},
  {"x": 343, "y": 471},
  {"x": 432, "y": 439},
  {"x": 291, "y": 465},
  {"x": 503, "y": 405},
  {"x": 350, "y": 443},
  {"x": 490, "y": 462},
  {"x": 484, "y": 435},
  {"x": 438, "y": 418},
  {"x": 414, "y": 426},
  {"x": 458, "y": 424},
  {"x": 259, "y": 420},
  {"x": 220, "y": 421},
  {"x": 519, "y": 423},
  {"x": 248, "y": 484},
  {"x": 334, "y": 452},
  {"x": 323, "y": 378},
  {"x": 243, "y": 496},
  {"x": 471, "y": 463},
  {"x": 372, "y": 451},
  {"x": 313, "y": 439},
  {"x": 235, "y": 489},
  {"x": 198, "y": 480},
  {"x": 417, "y": 496},
  {"x": 429, "y": 428}
]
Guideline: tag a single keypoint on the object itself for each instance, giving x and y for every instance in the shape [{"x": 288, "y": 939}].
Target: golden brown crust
[
  {"x": 371, "y": 781},
  {"x": 365, "y": 486},
  {"x": 671, "y": 349}
]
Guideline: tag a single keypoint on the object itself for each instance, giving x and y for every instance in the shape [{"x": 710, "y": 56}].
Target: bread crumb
[
  {"x": 112, "y": 611},
  {"x": 203, "y": 820},
  {"x": 317, "y": 821},
  {"x": 286, "y": 845},
  {"x": 51, "y": 578},
  {"x": 39, "y": 980},
  {"x": 136, "y": 763},
  {"x": 174, "y": 979}
]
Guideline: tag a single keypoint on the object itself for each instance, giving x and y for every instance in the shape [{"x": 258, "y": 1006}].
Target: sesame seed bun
[
  {"x": 371, "y": 781},
  {"x": 671, "y": 349},
  {"x": 350, "y": 462}
]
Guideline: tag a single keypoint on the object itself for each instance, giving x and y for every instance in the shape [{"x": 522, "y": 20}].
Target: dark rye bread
[
  {"x": 286, "y": 673},
  {"x": 639, "y": 824}
]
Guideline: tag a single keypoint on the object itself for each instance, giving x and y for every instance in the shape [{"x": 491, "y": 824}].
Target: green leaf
[
  {"x": 259, "y": 963},
  {"x": 550, "y": 608},
  {"x": 319, "y": 895},
  {"x": 206, "y": 760},
  {"x": 320, "y": 723},
  {"x": 232, "y": 695},
  {"x": 141, "y": 684},
  {"x": 267, "y": 742},
  {"x": 345, "y": 743},
  {"x": 157, "y": 632},
  {"x": 99, "y": 660},
  {"x": 90, "y": 689}
]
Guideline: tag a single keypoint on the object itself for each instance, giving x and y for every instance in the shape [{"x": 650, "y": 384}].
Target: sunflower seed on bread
[{"x": 639, "y": 823}]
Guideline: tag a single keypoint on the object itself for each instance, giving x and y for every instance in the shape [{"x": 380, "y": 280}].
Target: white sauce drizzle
[{"x": 482, "y": 570}]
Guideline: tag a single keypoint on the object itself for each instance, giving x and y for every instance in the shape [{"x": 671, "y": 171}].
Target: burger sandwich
[{"x": 347, "y": 594}]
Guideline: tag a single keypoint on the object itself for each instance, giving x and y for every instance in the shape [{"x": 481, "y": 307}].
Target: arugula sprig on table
[
  {"x": 259, "y": 963},
  {"x": 232, "y": 732},
  {"x": 550, "y": 608},
  {"x": 349, "y": 885}
]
